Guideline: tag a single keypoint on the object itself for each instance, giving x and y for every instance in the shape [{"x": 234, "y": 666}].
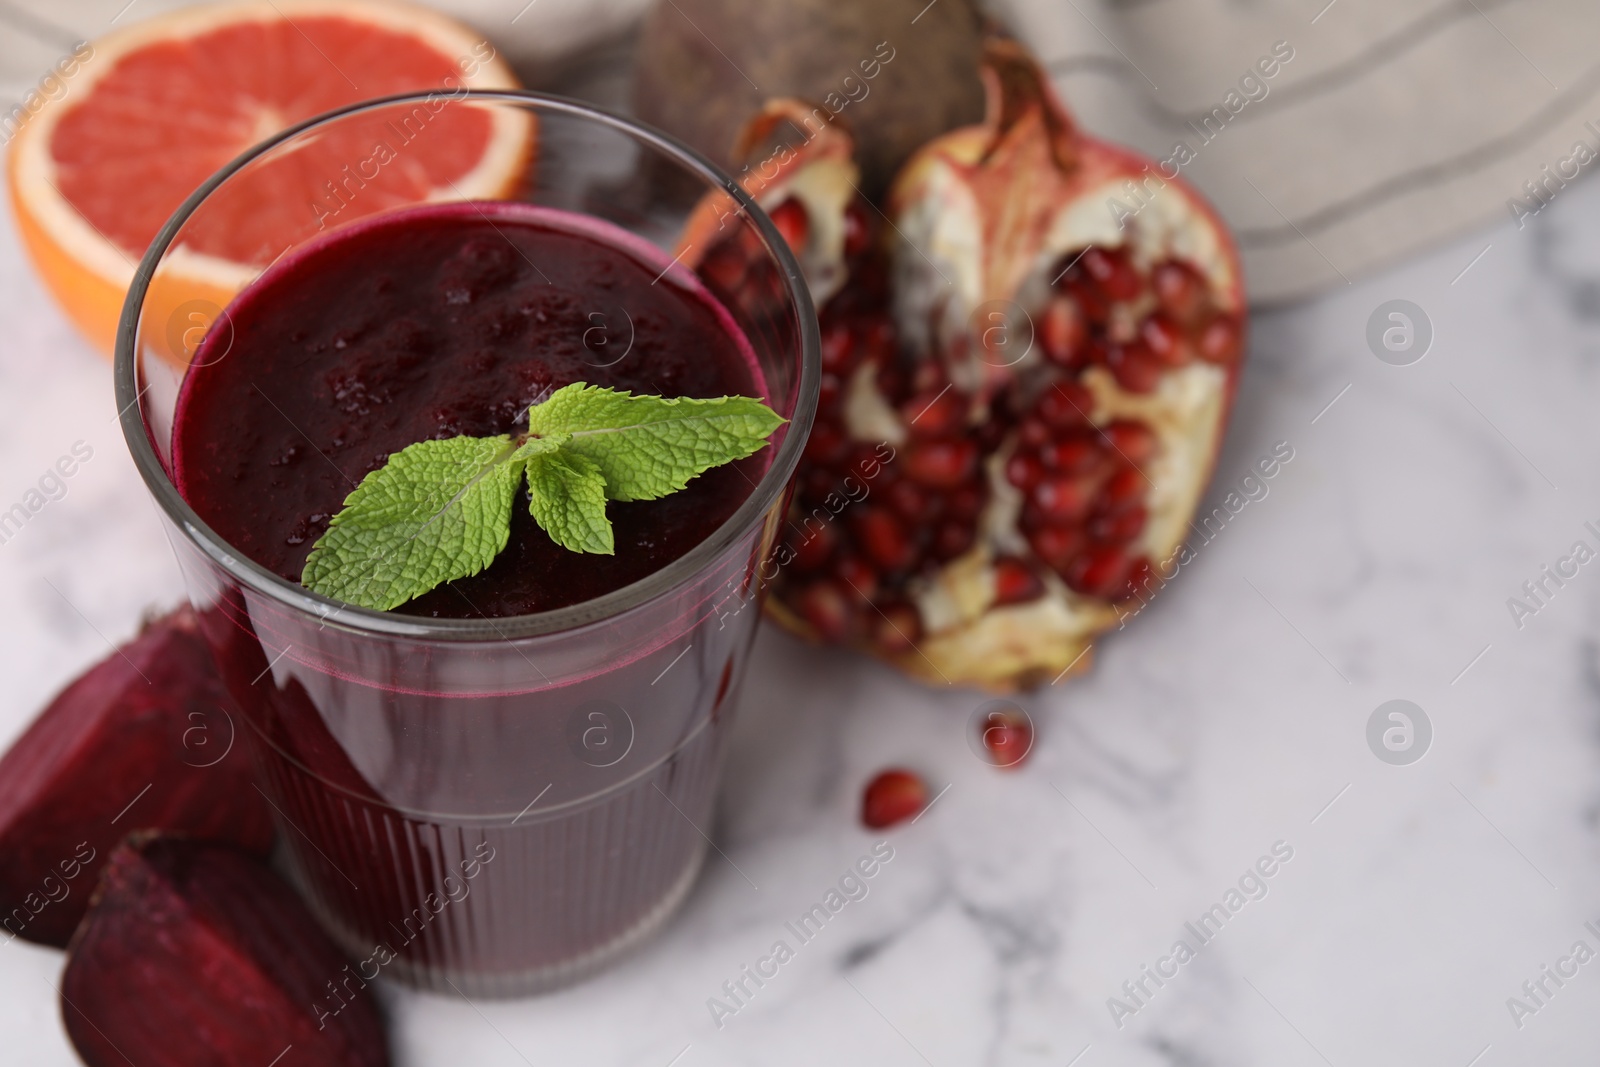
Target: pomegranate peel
[{"x": 819, "y": 175}]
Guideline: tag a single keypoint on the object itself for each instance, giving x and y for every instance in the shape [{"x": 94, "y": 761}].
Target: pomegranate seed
[
  {"x": 898, "y": 629},
  {"x": 1165, "y": 340},
  {"x": 724, "y": 268},
  {"x": 1057, "y": 546},
  {"x": 952, "y": 539},
  {"x": 1112, "y": 272},
  {"x": 884, "y": 539},
  {"x": 1219, "y": 341},
  {"x": 1064, "y": 405},
  {"x": 1062, "y": 332},
  {"x": 1133, "y": 441},
  {"x": 1134, "y": 367},
  {"x": 817, "y": 484},
  {"x": 965, "y": 502},
  {"x": 838, "y": 349},
  {"x": 829, "y": 394},
  {"x": 860, "y": 581},
  {"x": 813, "y": 548},
  {"x": 910, "y": 501},
  {"x": 1122, "y": 489},
  {"x": 1034, "y": 433},
  {"x": 891, "y": 797},
  {"x": 937, "y": 414},
  {"x": 1092, "y": 304},
  {"x": 857, "y": 230},
  {"x": 1015, "y": 582},
  {"x": 1179, "y": 288},
  {"x": 826, "y": 445},
  {"x": 792, "y": 221},
  {"x": 1100, "y": 572},
  {"x": 1059, "y": 500},
  {"x": 941, "y": 464},
  {"x": 877, "y": 338},
  {"x": 1142, "y": 579},
  {"x": 1024, "y": 470},
  {"x": 1072, "y": 455},
  {"x": 823, "y": 606},
  {"x": 1007, "y": 736},
  {"x": 1118, "y": 527}
]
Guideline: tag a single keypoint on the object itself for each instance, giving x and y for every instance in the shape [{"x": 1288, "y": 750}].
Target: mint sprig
[{"x": 441, "y": 510}]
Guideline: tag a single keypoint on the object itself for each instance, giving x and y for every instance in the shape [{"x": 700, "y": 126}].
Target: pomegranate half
[{"x": 1039, "y": 389}]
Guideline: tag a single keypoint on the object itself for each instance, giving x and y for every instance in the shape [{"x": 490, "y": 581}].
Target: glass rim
[{"x": 258, "y": 579}]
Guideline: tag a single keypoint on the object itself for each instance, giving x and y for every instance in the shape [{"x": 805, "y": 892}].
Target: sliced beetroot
[
  {"x": 195, "y": 953},
  {"x": 144, "y": 740}
]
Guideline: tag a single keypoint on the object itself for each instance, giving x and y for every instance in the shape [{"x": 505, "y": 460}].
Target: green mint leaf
[
  {"x": 646, "y": 446},
  {"x": 567, "y": 498},
  {"x": 441, "y": 510},
  {"x": 437, "y": 511}
]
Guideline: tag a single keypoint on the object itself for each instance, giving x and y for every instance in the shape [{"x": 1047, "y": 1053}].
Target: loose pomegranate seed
[
  {"x": 1064, "y": 405},
  {"x": 824, "y": 607},
  {"x": 898, "y": 628},
  {"x": 1134, "y": 367},
  {"x": 1015, "y": 582},
  {"x": 934, "y": 414},
  {"x": 1071, "y": 455},
  {"x": 1125, "y": 487},
  {"x": 838, "y": 349},
  {"x": 1100, "y": 572},
  {"x": 1112, "y": 272},
  {"x": 1219, "y": 341},
  {"x": 911, "y": 502},
  {"x": 1063, "y": 332},
  {"x": 952, "y": 539},
  {"x": 1118, "y": 527},
  {"x": 1166, "y": 340},
  {"x": 817, "y": 483},
  {"x": 941, "y": 464},
  {"x": 792, "y": 221},
  {"x": 1059, "y": 500},
  {"x": 884, "y": 539},
  {"x": 891, "y": 797},
  {"x": 1179, "y": 288},
  {"x": 857, "y": 230},
  {"x": 1133, "y": 441},
  {"x": 1057, "y": 546},
  {"x": 1024, "y": 470},
  {"x": 1007, "y": 736}
]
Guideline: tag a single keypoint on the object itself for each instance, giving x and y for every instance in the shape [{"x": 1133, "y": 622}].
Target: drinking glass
[{"x": 498, "y": 805}]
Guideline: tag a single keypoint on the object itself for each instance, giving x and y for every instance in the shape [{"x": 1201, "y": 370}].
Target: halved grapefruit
[{"x": 162, "y": 105}]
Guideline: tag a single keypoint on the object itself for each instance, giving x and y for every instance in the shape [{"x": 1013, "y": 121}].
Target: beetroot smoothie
[{"x": 452, "y": 827}]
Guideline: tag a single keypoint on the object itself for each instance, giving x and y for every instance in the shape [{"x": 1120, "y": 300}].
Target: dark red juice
[
  {"x": 449, "y": 815},
  {"x": 436, "y": 322}
]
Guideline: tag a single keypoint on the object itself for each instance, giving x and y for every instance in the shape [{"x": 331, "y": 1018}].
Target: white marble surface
[{"x": 1226, "y": 718}]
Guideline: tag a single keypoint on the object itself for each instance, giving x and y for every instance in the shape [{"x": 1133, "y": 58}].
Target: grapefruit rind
[{"x": 89, "y": 275}]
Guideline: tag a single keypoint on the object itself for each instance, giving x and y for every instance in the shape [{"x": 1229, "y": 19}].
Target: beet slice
[
  {"x": 145, "y": 740},
  {"x": 194, "y": 953}
]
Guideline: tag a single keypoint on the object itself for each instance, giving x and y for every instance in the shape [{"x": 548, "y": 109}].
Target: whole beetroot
[
  {"x": 194, "y": 954},
  {"x": 143, "y": 740}
]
